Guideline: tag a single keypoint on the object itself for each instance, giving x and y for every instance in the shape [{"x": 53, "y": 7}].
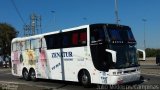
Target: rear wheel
[
  {"x": 33, "y": 75},
  {"x": 26, "y": 75}
]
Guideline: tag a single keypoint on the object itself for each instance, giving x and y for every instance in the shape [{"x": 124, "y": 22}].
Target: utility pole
[
  {"x": 54, "y": 18},
  {"x": 144, "y": 20},
  {"x": 27, "y": 30},
  {"x": 116, "y": 12},
  {"x": 35, "y": 22},
  {"x": 34, "y": 27}
]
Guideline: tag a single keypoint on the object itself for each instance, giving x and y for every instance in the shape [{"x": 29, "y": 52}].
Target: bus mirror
[
  {"x": 141, "y": 56},
  {"x": 113, "y": 53}
]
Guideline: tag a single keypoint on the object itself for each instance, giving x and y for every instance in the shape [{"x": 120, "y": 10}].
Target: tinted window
[
  {"x": 53, "y": 41},
  {"x": 83, "y": 38},
  {"x": 66, "y": 39},
  {"x": 130, "y": 36},
  {"x": 74, "y": 38},
  {"x": 115, "y": 34},
  {"x": 97, "y": 34},
  {"x": 121, "y": 35},
  {"x": 79, "y": 38}
]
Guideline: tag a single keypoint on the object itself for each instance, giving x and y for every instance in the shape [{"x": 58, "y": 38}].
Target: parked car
[{"x": 6, "y": 61}]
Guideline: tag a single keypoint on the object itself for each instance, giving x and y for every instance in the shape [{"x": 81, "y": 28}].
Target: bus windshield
[
  {"x": 126, "y": 55},
  {"x": 123, "y": 42},
  {"x": 121, "y": 35},
  {"x": 117, "y": 38}
]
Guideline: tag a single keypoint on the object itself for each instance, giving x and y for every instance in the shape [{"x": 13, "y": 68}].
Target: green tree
[
  {"x": 7, "y": 33},
  {"x": 152, "y": 52}
]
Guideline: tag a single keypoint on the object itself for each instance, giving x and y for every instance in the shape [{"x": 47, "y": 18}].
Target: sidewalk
[
  {"x": 150, "y": 67},
  {"x": 151, "y": 71},
  {"x": 148, "y": 61}
]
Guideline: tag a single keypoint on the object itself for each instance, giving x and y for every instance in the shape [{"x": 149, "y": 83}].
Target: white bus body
[{"x": 76, "y": 55}]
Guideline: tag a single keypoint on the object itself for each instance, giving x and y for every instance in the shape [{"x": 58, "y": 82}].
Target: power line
[{"x": 18, "y": 11}]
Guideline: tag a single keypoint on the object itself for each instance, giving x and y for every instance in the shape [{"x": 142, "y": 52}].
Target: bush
[{"x": 151, "y": 52}]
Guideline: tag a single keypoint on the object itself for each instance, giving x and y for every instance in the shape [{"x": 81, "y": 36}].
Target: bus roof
[
  {"x": 53, "y": 32},
  {"x": 63, "y": 30}
]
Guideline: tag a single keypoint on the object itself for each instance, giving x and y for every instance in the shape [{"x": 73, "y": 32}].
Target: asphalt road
[{"x": 150, "y": 80}]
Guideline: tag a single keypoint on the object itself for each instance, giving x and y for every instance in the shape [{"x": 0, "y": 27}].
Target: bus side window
[
  {"x": 52, "y": 41},
  {"x": 27, "y": 44},
  {"x": 36, "y": 44},
  {"x": 32, "y": 43},
  {"x": 49, "y": 41},
  {"x": 94, "y": 35},
  {"x": 14, "y": 46},
  {"x": 79, "y": 38},
  {"x": 43, "y": 43},
  {"x": 65, "y": 42},
  {"x": 75, "y": 39},
  {"x": 22, "y": 44},
  {"x": 18, "y": 46},
  {"x": 83, "y": 38},
  {"x": 97, "y": 35},
  {"x": 57, "y": 41}
]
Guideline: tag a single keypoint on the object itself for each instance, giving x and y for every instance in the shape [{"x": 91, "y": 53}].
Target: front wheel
[
  {"x": 85, "y": 79},
  {"x": 26, "y": 75}
]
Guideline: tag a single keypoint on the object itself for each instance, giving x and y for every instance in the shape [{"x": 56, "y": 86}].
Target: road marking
[{"x": 145, "y": 80}]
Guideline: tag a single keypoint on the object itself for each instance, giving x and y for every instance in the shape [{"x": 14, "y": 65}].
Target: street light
[
  {"x": 144, "y": 20},
  {"x": 85, "y": 19},
  {"x": 54, "y": 18},
  {"x": 116, "y": 11}
]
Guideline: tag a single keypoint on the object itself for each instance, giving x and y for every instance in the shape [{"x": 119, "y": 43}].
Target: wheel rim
[
  {"x": 84, "y": 79},
  {"x": 33, "y": 75},
  {"x": 25, "y": 75}
]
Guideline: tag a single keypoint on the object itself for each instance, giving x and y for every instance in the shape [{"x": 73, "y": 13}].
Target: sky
[{"x": 72, "y": 13}]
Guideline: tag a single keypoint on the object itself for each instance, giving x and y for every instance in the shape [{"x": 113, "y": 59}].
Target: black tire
[
  {"x": 33, "y": 75},
  {"x": 26, "y": 75},
  {"x": 85, "y": 79}
]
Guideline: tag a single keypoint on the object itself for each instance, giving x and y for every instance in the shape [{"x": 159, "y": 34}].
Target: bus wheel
[
  {"x": 85, "y": 79},
  {"x": 26, "y": 75},
  {"x": 33, "y": 75}
]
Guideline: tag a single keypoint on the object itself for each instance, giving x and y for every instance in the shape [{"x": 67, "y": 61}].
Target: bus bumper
[{"x": 122, "y": 79}]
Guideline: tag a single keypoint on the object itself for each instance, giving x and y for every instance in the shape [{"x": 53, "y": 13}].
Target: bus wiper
[{"x": 96, "y": 41}]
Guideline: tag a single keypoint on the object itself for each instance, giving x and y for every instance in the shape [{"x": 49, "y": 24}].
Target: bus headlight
[
  {"x": 118, "y": 73},
  {"x": 114, "y": 73},
  {"x": 138, "y": 69}
]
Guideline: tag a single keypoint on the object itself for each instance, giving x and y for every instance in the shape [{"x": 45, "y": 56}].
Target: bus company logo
[{"x": 61, "y": 54}]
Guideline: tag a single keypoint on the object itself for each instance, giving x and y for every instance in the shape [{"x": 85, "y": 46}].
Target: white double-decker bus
[{"x": 96, "y": 53}]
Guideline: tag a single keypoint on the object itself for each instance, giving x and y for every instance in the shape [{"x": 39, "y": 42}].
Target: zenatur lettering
[{"x": 62, "y": 54}]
